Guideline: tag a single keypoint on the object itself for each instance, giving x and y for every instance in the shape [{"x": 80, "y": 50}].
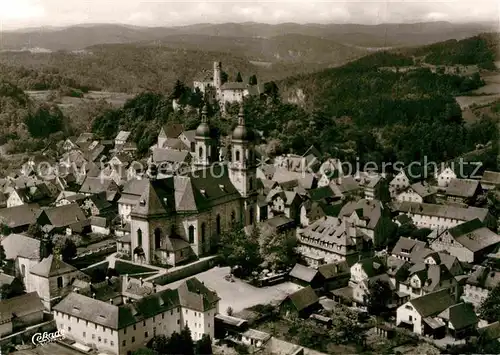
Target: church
[{"x": 180, "y": 218}]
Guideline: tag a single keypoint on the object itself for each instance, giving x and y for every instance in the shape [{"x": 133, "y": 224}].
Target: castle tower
[
  {"x": 217, "y": 75},
  {"x": 243, "y": 167},
  {"x": 205, "y": 143}
]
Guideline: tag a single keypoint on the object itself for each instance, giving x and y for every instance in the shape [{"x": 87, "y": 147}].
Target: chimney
[
  {"x": 110, "y": 301},
  {"x": 93, "y": 295}
]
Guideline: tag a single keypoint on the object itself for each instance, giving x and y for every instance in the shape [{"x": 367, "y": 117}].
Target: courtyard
[{"x": 238, "y": 294}]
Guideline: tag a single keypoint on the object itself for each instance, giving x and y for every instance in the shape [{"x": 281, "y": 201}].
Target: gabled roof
[
  {"x": 95, "y": 185},
  {"x": 122, "y": 136},
  {"x": 491, "y": 177},
  {"x": 172, "y": 130},
  {"x": 372, "y": 266},
  {"x": 372, "y": 211},
  {"x": 235, "y": 86},
  {"x": 329, "y": 271},
  {"x": 64, "y": 216},
  {"x": 462, "y": 188},
  {"x": 303, "y": 298},
  {"x": 19, "y": 216},
  {"x": 433, "y": 303},
  {"x": 303, "y": 273},
  {"x": 170, "y": 155},
  {"x": 19, "y": 245},
  {"x": 474, "y": 236},
  {"x": 484, "y": 277},
  {"x": 20, "y": 306},
  {"x": 423, "y": 190},
  {"x": 407, "y": 244},
  {"x": 460, "y": 315},
  {"x": 444, "y": 211},
  {"x": 51, "y": 267}
]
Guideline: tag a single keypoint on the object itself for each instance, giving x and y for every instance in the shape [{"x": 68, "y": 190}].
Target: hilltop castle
[{"x": 211, "y": 84}]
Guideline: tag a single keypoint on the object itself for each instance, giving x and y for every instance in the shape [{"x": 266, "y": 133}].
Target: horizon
[{"x": 39, "y": 14}]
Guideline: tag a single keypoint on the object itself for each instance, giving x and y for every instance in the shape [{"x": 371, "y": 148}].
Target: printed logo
[{"x": 44, "y": 338}]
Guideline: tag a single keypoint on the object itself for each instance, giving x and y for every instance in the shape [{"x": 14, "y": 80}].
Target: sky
[{"x": 16, "y": 14}]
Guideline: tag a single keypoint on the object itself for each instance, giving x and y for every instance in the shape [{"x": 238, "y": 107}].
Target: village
[{"x": 114, "y": 251}]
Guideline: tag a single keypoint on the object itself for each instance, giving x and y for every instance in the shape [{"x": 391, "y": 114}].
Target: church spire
[
  {"x": 204, "y": 112},
  {"x": 241, "y": 116}
]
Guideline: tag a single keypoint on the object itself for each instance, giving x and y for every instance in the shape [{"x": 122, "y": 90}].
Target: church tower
[
  {"x": 205, "y": 143},
  {"x": 243, "y": 167}
]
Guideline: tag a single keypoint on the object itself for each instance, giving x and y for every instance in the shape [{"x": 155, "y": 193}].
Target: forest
[{"x": 356, "y": 110}]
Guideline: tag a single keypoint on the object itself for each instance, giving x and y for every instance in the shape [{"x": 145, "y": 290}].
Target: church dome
[
  {"x": 203, "y": 129},
  {"x": 241, "y": 132}
]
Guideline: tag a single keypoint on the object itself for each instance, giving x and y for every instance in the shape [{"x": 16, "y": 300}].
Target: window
[
  {"x": 192, "y": 147},
  {"x": 59, "y": 282},
  {"x": 178, "y": 321},
  {"x": 84, "y": 334},
  {"x": 87, "y": 323},
  {"x": 233, "y": 217},
  {"x": 93, "y": 336},
  {"x": 23, "y": 270},
  {"x": 203, "y": 230},
  {"x": 154, "y": 331},
  {"x": 410, "y": 318},
  {"x": 144, "y": 323},
  {"x": 250, "y": 183},
  {"x": 157, "y": 238},
  {"x": 124, "y": 343},
  {"x": 237, "y": 155},
  {"x": 200, "y": 152},
  {"x": 186, "y": 311},
  {"x": 99, "y": 339},
  {"x": 125, "y": 331},
  {"x": 217, "y": 224},
  {"x": 135, "y": 328},
  {"x": 111, "y": 343},
  {"x": 95, "y": 325},
  {"x": 69, "y": 329},
  {"x": 105, "y": 341},
  {"x": 133, "y": 339},
  {"x": 139, "y": 237},
  {"x": 191, "y": 234},
  {"x": 252, "y": 215},
  {"x": 163, "y": 315},
  {"x": 146, "y": 334}
]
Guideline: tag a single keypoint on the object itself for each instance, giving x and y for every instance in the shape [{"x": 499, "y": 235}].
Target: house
[
  {"x": 39, "y": 194},
  {"x": 121, "y": 325},
  {"x": 97, "y": 185},
  {"x": 122, "y": 138},
  {"x": 431, "y": 257},
  {"x": 479, "y": 284},
  {"x": 19, "y": 218},
  {"x": 68, "y": 219},
  {"x": 460, "y": 320},
  {"x": 20, "y": 312},
  {"x": 172, "y": 161},
  {"x": 444, "y": 176},
  {"x": 469, "y": 242},
  {"x": 427, "y": 278},
  {"x": 335, "y": 275},
  {"x": 490, "y": 180},
  {"x": 418, "y": 192},
  {"x": 420, "y": 314},
  {"x": 375, "y": 186},
  {"x": 405, "y": 247},
  {"x": 255, "y": 338},
  {"x": 346, "y": 187},
  {"x": 461, "y": 191},
  {"x": 188, "y": 138},
  {"x": 14, "y": 285},
  {"x": 26, "y": 252},
  {"x": 440, "y": 217},
  {"x": 370, "y": 218},
  {"x": 306, "y": 276},
  {"x": 100, "y": 225},
  {"x": 279, "y": 225},
  {"x": 406, "y": 177},
  {"x": 69, "y": 197},
  {"x": 329, "y": 240},
  {"x": 97, "y": 205},
  {"x": 302, "y": 303},
  {"x": 52, "y": 279},
  {"x": 284, "y": 202},
  {"x": 131, "y": 194}
]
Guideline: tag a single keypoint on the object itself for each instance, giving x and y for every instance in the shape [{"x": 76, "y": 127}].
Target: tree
[
  {"x": 239, "y": 79},
  {"x": 490, "y": 308},
  {"x": 145, "y": 351},
  {"x": 238, "y": 249},
  {"x": 187, "y": 342},
  {"x": 224, "y": 77},
  {"x": 204, "y": 345},
  {"x": 280, "y": 250},
  {"x": 379, "y": 293},
  {"x": 229, "y": 311},
  {"x": 35, "y": 231},
  {"x": 159, "y": 344},
  {"x": 4, "y": 229},
  {"x": 3, "y": 258},
  {"x": 68, "y": 250},
  {"x": 44, "y": 121},
  {"x": 252, "y": 80}
]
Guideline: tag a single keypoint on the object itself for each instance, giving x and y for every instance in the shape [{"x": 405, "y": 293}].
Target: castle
[{"x": 211, "y": 85}]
